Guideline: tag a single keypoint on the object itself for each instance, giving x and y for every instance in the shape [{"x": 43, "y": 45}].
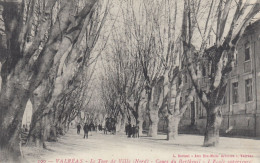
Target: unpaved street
[{"x": 100, "y": 148}]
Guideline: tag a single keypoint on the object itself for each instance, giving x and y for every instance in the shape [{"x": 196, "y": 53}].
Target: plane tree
[
  {"x": 66, "y": 75},
  {"x": 35, "y": 35},
  {"x": 225, "y": 22}
]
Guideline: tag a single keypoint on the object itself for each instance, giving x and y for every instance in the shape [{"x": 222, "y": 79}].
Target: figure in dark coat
[
  {"x": 78, "y": 128},
  {"x": 133, "y": 131},
  {"x": 85, "y": 128},
  {"x": 129, "y": 132},
  {"x": 126, "y": 129},
  {"x": 137, "y": 131}
]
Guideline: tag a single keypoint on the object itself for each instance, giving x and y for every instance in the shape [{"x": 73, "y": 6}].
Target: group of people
[
  {"x": 86, "y": 129},
  {"x": 100, "y": 127},
  {"x": 132, "y": 131},
  {"x": 110, "y": 125}
]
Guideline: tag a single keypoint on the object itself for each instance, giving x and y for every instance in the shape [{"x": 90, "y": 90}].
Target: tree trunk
[
  {"x": 142, "y": 113},
  {"x": 153, "y": 127},
  {"x": 10, "y": 148},
  {"x": 121, "y": 125},
  {"x": 46, "y": 129},
  {"x": 173, "y": 124},
  {"x": 154, "y": 101},
  {"x": 53, "y": 134},
  {"x": 36, "y": 135},
  {"x": 59, "y": 129},
  {"x": 13, "y": 101},
  {"x": 140, "y": 125},
  {"x": 214, "y": 119},
  {"x": 65, "y": 127},
  {"x": 50, "y": 131},
  {"x": 62, "y": 127},
  {"x": 52, "y": 137}
]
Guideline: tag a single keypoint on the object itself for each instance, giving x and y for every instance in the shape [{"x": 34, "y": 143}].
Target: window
[
  {"x": 248, "y": 87},
  {"x": 235, "y": 92},
  {"x": 247, "y": 52},
  {"x": 188, "y": 110},
  {"x": 197, "y": 107},
  {"x": 225, "y": 99},
  {"x": 200, "y": 111},
  {"x": 235, "y": 57}
]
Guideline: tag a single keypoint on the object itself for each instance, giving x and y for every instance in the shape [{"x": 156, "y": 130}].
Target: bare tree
[
  {"x": 66, "y": 76},
  {"x": 228, "y": 29},
  {"x": 36, "y": 34},
  {"x": 142, "y": 33}
]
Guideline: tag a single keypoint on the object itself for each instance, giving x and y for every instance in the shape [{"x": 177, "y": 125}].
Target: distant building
[{"x": 241, "y": 104}]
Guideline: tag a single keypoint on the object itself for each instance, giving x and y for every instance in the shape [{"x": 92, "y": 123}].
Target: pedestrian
[
  {"x": 129, "y": 130},
  {"x": 137, "y": 131},
  {"x": 85, "y": 128},
  {"x": 114, "y": 130},
  {"x": 133, "y": 131},
  {"x": 105, "y": 130},
  {"x": 78, "y": 128}
]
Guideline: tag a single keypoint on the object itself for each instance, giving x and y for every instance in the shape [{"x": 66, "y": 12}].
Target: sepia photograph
[{"x": 129, "y": 81}]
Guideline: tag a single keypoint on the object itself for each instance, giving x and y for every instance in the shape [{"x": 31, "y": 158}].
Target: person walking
[
  {"x": 133, "y": 131},
  {"x": 78, "y": 128},
  {"x": 129, "y": 132},
  {"x": 137, "y": 131},
  {"x": 85, "y": 128}
]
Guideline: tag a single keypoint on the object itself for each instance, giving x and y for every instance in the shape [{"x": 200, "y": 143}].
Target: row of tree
[
  {"x": 152, "y": 55},
  {"x": 45, "y": 49}
]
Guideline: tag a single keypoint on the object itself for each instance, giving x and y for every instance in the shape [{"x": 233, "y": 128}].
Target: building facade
[{"x": 241, "y": 103}]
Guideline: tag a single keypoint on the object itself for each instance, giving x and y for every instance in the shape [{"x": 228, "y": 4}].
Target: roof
[{"x": 252, "y": 26}]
